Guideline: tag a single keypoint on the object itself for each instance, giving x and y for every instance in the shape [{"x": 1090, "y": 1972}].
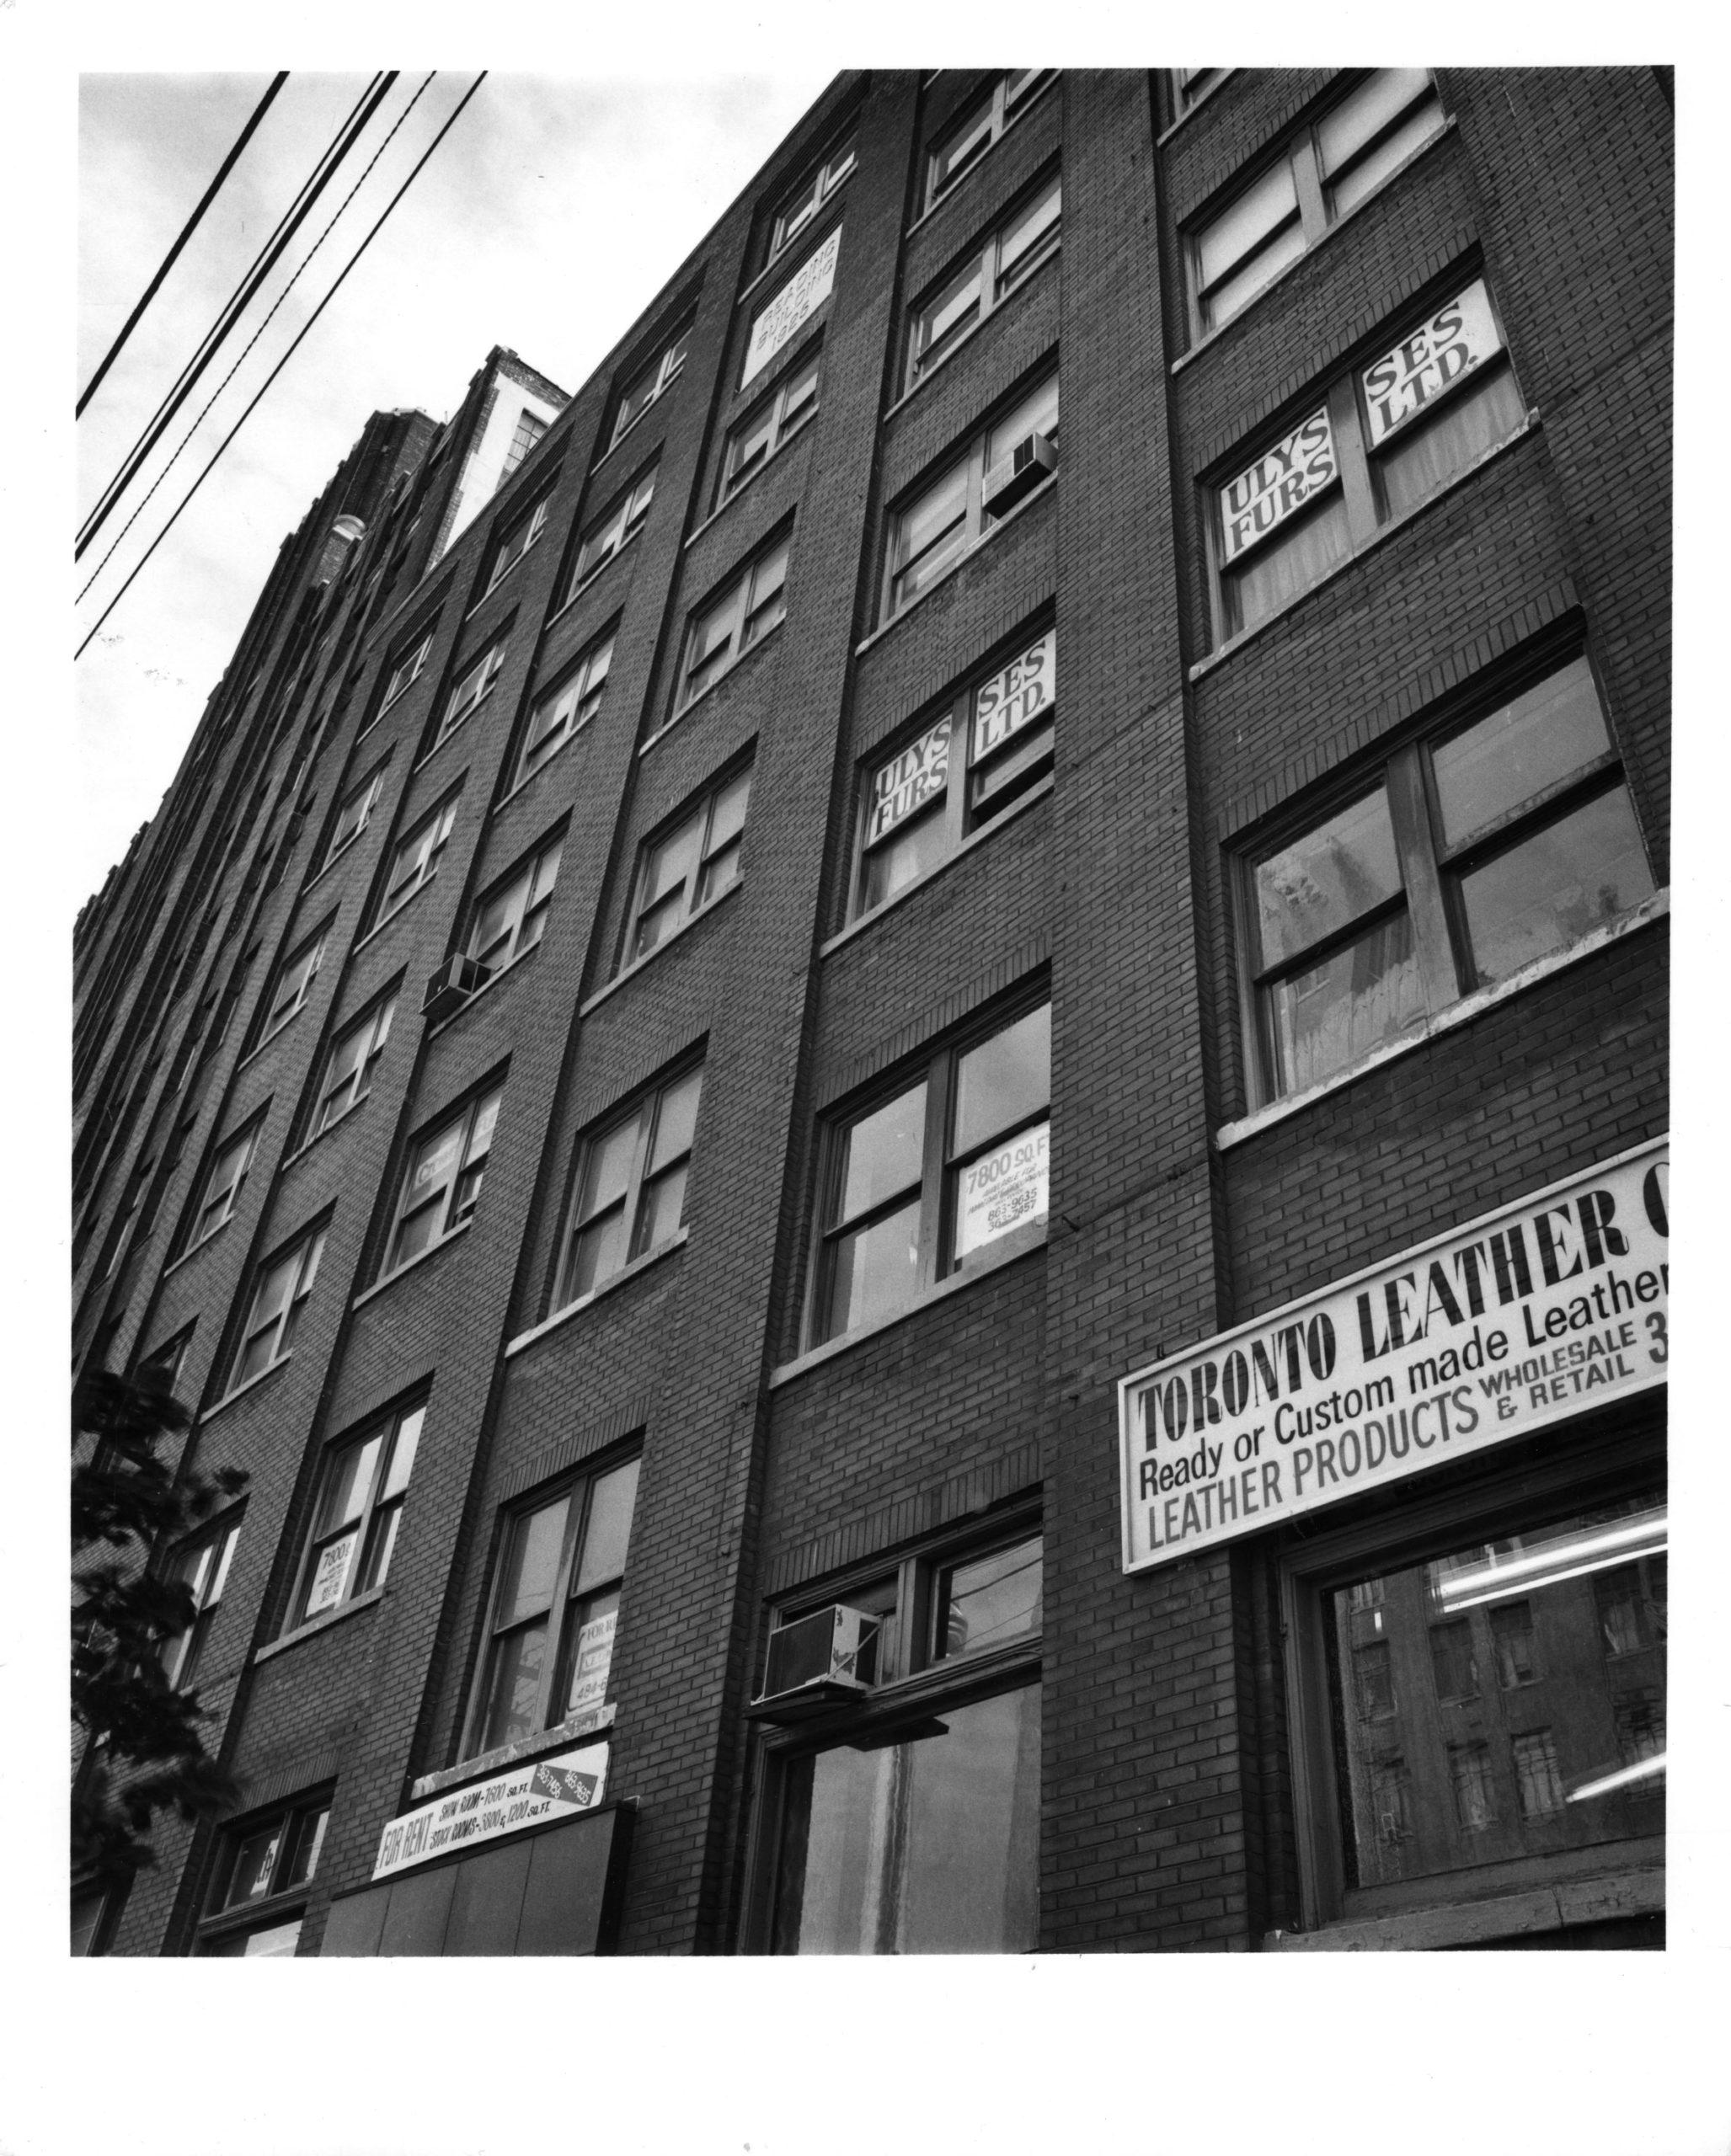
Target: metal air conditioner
[
  {"x": 1019, "y": 473},
  {"x": 451, "y": 988},
  {"x": 818, "y": 1662}
]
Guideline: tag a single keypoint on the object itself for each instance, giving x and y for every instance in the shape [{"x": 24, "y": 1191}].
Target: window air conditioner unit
[
  {"x": 1019, "y": 472},
  {"x": 451, "y": 988},
  {"x": 818, "y": 1662}
]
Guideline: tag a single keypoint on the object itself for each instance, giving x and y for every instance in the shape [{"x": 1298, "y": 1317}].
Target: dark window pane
[
  {"x": 1512, "y": 1635},
  {"x": 1452, "y": 1660},
  {"x": 876, "y": 1270},
  {"x": 990, "y": 1599},
  {"x": 1540, "y": 738},
  {"x": 1556, "y": 887},
  {"x": 926, "y": 1847},
  {"x": 1373, "y": 1681},
  {"x": 1323, "y": 1018}
]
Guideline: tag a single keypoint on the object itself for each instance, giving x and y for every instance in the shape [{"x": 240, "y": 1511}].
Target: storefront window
[
  {"x": 1505, "y": 1701},
  {"x": 928, "y": 1843}
]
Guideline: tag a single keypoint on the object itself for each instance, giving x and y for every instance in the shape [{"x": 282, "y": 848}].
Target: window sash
[
  {"x": 650, "y": 383},
  {"x": 969, "y": 136},
  {"x": 203, "y": 1569},
  {"x": 293, "y": 982},
  {"x": 610, "y": 1218},
  {"x": 471, "y": 689},
  {"x": 947, "y": 517},
  {"x": 612, "y": 532},
  {"x": 416, "y": 860},
  {"x": 769, "y": 427},
  {"x": 406, "y": 670},
  {"x": 513, "y": 543},
  {"x": 698, "y": 843},
  {"x": 350, "y": 1553},
  {"x": 721, "y": 634},
  {"x": 349, "y": 1070},
  {"x": 352, "y": 818},
  {"x": 282, "y": 1287},
  {"x": 509, "y": 921},
  {"x": 565, "y": 708},
  {"x": 442, "y": 1180},
  {"x": 222, "y": 1187},
  {"x": 803, "y": 201}
]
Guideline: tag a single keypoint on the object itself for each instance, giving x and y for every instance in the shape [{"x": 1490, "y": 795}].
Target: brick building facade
[{"x": 659, "y": 795}]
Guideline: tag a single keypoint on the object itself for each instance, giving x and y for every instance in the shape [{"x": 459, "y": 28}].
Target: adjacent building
[{"x": 918, "y": 1149}]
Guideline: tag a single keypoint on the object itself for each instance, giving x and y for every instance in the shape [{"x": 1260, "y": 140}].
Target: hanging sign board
[
  {"x": 1023, "y": 691},
  {"x": 793, "y": 306},
  {"x": 1408, "y": 379},
  {"x": 521, "y": 1797},
  {"x": 1283, "y": 480},
  {"x": 1533, "y": 1314}
]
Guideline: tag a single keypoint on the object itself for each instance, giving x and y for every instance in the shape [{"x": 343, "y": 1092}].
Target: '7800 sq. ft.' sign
[{"x": 1544, "y": 1309}]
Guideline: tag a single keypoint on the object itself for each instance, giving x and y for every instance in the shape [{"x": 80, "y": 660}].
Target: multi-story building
[{"x": 1062, "y": 1344}]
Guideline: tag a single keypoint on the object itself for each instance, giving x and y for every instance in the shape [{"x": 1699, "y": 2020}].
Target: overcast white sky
[{"x": 549, "y": 216}]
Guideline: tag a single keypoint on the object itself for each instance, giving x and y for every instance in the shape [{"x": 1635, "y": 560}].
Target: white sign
[
  {"x": 1003, "y": 1190},
  {"x": 1026, "y": 690},
  {"x": 793, "y": 306},
  {"x": 1539, "y": 1311},
  {"x": 540, "y": 1789},
  {"x": 1283, "y": 480},
  {"x": 333, "y": 1569},
  {"x": 595, "y": 1658},
  {"x": 1408, "y": 379},
  {"x": 908, "y": 782}
]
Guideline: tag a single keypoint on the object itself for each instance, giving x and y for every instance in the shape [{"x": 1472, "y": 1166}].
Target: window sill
[
  {"x": 740, "y": 492},
  {"x": 1207, "y": 343},
  {"x": 186, "y": 1257},
  {"x": 1444, "y": 1021},
  {"x": 301, "y": 1151},
  {"x": 421, "y": 1257},
  {"x": 953, "y": 1283},
  {"x": 240, "y": 1391},
  {"x": 950, "y": 194},
  {"x": 552, "y": 756},
  {"x": 638, "y": 1265},
  {"x": 492, "y": 980},
  {"x": 1635, "y": 1893},
  {"x": 1190, "y": 111},
  {"x": 814, "y": 234},
  {"x": 445, "y": 740},
  {"x": 480, "y": 1765},
  {"x": 726, "y": 675},
  {"x": 1529, "y": 425},
  {"x": 961, "y": 561},
  {"x": 321, "y": 1623},
  {"x": 978, "y": 837},
  {"x": 631, "y": 972},
  {"x": 593, "y": 579},
  {"x": 963, "y": 342}
]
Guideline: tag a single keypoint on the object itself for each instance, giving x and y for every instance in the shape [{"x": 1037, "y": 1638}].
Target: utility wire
[
  {"x": 187, "y": 230},
  {"x": 285, "y": 359},
  {"x": 297, "y": 212},
  {"x": 186, "y": 441}
]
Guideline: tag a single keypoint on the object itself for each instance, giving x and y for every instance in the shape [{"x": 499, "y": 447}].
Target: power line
[
  {"x": 285, "y": 359},
  {"x": 287, "y": 226},
  {"x": 186, "y": 441},
  {"x": 187, "y": 230}
]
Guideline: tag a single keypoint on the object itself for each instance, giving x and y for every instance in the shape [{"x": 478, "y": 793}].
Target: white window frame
[
  {"x": 528, "y": 889},
  {"x": 612, "y": 532},
  {"x": 642, "y": 1115},
  {"x": 405, "y": 670},
  {"x": 1001, "y": 102},
  {"x": 740, "y": 606},
  {"x": 660, "y": 373},
  {"x": 524, "y": 531},
  {"x": 457, "y": 1194},
  {"x": 807, "y": 196},
  {"x": 370, "y": 1530},
  {"x": 470, "y": 689},
  {"x": 778, "y": 415},
  {"x": 425, "y": 841},
  {"x": 522, "y": 440},
  {"x": 560, "y": 712},
  {"x": 297, "y": 1263},
  {"x": 216, "y": 1201},
  {"x": 353, "y": 814},
  {"x": 202, "y": 1566},
  {"x": 296, "y": 974},
  {"x": 995, "y": 284},
  {"x": 372, "y": 1029},
  {"x": 699, "y": 888}
]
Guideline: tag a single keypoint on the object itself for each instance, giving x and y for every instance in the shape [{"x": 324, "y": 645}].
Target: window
[
  {"x": 986, "y": 278},
  {"x": 530, "y": 428},
  {"x": 518, "y": 536},
  {"x": 612, "y": 532},
  {"x": 559, "y": 713},
  {"x": 415, "y": 861},
  {"x": 649, "y": 383},
  {"x": 554, "y": 1608},
  {"x": 223, "y": 1184},
  {"x": 295, "y": 977},
  {"x": 912, "y": 819},
  {"x": 935, "y": 1177},
  {"x": 1523, "y": 1748},
  {"x": 1380, "y": 441},
  {"x": 1474, "y": 853},
  {"x": 201, "y": 1567},
  {"x": 95, "y": 1913},
  {"x": 967, "y": 139},
  {"x": 352, "y": 816},
  {"x": 360, "y": 1503},
  {"x": 774, "y": 419},
  {"x": 958, "y": 1871},
  {"x": 1289, "y": 206},
  {"x": 159, "y": 1371},
  {"x": 808, "y": 195},
  {"x": 275, "y": 1857},
  {"x": 955, "y": 512},
  {"x": 724, "y": 630},
  {"x": 442, "y": 1181},
  {"x": 696, "y": 862},
  {"x": 469, "y": 692},
  {"x": 281, "y": 1289},
  {"x": 631, "y": 1193},
  {"x": 508, "y": 920},
  {"x": 404, "y": 671},
  {"x": 1190, "y": 85},
  {"x": 347, "y": 1076}
]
